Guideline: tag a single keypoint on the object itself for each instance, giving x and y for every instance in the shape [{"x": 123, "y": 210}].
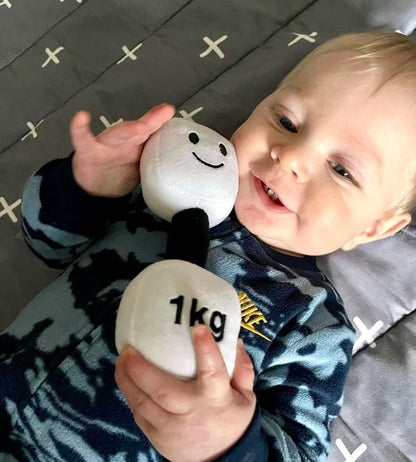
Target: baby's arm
[
  {"x": 300, "y": 391},
  {"x": 68, "y": 202}
]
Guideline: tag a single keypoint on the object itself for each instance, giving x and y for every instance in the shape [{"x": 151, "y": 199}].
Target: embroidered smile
[{"x": 206, "y": 163}]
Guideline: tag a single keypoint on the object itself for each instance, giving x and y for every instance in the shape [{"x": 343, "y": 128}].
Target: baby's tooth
[{"x": 273, "y": 196}]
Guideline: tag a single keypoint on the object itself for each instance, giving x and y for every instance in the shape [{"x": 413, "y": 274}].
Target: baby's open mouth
[{"x": 272, "y": 195}]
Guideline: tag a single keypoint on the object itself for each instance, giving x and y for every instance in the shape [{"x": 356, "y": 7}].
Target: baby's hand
[
  {"x": 190, "y": 421},
  {"x": 108, "y": 165}
]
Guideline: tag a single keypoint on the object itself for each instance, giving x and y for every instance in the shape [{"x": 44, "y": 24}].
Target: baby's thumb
[
  {"x": 243, "y": 377},
  {"x": 79, "y": 128}
]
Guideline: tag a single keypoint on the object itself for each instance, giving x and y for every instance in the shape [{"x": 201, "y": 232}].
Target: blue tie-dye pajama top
[{"x": 59, "y": 400}]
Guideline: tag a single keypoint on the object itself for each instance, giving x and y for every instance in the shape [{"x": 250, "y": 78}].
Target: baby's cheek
[{"x": 321, "y": 231}]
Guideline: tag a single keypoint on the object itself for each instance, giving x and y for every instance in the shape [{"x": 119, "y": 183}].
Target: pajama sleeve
[
  {"x": 60, "y": 220},
  {"x": 299, "y": 392}
]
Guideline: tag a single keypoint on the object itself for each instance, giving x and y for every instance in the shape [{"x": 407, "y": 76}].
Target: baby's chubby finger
[
  {"x": 243, "y": 377},
  {"x": 79, "y": 128},
  {"x": 137, "y": 132},
  {"x": 80, "y": 119},
  {"x": 152, "y": 120},
  {"x": 163, "y": 111},
  {"x": 124, "y": 382},
  {"x": 144, "y": 409},
  {"x": 212, "y": 375},
  {"x": 166, "y": 391}
]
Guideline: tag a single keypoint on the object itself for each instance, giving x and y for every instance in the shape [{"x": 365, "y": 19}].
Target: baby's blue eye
[
  {"x": 288, "y": 125},
  {"x": 341, "y": 171}
]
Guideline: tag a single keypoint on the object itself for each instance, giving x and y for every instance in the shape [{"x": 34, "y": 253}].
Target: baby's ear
[{"x": 384, "y": 227}]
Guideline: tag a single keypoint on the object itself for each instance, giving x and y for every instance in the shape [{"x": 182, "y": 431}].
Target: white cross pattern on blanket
[
  {"x": 6, "y": 3},
  {"x": 8, "y": 209},
  {"x": 33, "y": 128},
  {"x": 129, "y": 53},
  {"x": 108, "y": 124},
  {"x": 367, "y": 335},
  {"x": 189, "y": 116},
  {"x": 213, "y": 46},
  {"x": 350, "y": 457},
  {"x": 52, "y": 56},
  {"x": 307, "y": 37}
]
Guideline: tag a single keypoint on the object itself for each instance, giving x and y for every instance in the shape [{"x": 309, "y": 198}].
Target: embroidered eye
[
  {"x": 287, "y": 124},
  {"x": 342, "y": 172},
  {"x": 193, "y": 138},
  {"x": 223, "y": 149}
]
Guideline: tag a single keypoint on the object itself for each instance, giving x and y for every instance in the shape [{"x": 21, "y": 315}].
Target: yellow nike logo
[{"x": 251, "y": 315}]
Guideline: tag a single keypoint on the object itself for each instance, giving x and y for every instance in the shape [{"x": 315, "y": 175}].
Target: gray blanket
[{"x": 214, "y": 60}]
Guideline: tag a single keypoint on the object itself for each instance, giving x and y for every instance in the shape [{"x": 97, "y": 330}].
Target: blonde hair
[{"x": 390, "y": 55}]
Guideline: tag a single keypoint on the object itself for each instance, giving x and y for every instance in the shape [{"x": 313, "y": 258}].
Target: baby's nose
[{"x": 291, "y": 160}]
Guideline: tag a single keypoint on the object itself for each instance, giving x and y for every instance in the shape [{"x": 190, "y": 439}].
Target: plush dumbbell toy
[{"x": 189, "y": 177}]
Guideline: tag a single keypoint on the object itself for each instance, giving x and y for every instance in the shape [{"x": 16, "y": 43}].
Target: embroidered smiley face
[
  {"x": 186, "y": 165},
  {"x": 194, "y": 139}
]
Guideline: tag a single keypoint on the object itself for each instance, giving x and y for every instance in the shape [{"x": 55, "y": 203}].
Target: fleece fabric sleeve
[
  {"x": 60, "y": 220},
  {"x": 299, "y": 393}
]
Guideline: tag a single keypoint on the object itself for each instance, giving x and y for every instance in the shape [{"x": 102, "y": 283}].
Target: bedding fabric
[{"x": 214, "y": 60}]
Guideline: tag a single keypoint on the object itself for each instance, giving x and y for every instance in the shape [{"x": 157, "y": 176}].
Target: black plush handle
[{"x": 188, "y": 237}]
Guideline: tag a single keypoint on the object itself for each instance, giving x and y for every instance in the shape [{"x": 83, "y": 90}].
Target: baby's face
[{"x": 341, "y": 146}]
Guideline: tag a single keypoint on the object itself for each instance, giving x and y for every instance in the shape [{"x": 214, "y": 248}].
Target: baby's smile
[
  {"x": 269, "y": 197},
  {"x": 273, "y": 196}
]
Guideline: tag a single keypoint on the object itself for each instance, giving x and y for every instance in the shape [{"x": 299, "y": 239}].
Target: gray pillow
[{"x": 376, "y": 281}]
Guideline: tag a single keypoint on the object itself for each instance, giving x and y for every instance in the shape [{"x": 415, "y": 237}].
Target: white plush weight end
[
  {"x": 187, "y": 165},
  {"x": 161, "y": 304}
]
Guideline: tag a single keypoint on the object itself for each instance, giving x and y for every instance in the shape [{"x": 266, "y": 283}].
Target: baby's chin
[{"x": 259, "y": 227}]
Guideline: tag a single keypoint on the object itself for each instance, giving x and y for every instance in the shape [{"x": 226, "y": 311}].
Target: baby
[{"x": 325, "y": 162}]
